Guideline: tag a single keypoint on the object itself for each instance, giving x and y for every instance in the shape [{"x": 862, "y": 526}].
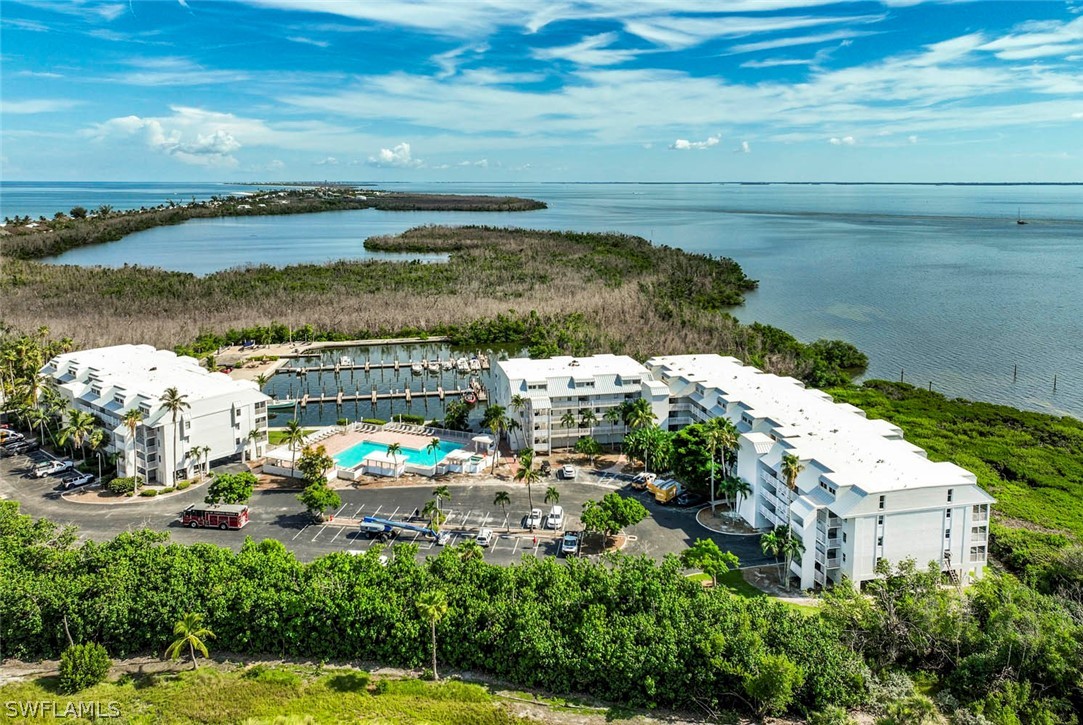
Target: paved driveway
[{"x": 277, "y": 514}]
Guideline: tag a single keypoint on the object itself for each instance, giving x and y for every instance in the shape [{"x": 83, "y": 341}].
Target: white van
[{"x": 555, "y": 520}]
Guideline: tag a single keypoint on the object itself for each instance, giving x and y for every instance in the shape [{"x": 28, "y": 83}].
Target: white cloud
[
  {"x": 683, "y": 144},
  {"x": 593, "y": 50},
  {"x": 327, "y": 161},
  {"x": 191, "y": 136},
  {"x": 912, "y": 139},
  {"x": 480, "y": 163},
  {"x": 307, "y": 41},
  {"x": 449, "y": 61},
  {"x": 396, "y": 157},
  {"x": 743, "y": 148},
  {"x": 801, "y": 40},
  {"x": 39, "y": 105},
  {"x": 844, "y": 141},
  {"x": 676, "y": 33},
  {"x": 774, "y": 62}
]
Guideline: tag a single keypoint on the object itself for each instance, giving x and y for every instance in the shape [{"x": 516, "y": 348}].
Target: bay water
[{"x": 938, "y": 284}]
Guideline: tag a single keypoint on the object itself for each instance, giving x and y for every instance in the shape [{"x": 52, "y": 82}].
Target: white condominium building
[
  {"x": 553, "y": 388},
  {"x": 863, "y": 494},
  {"x": 220, "y": 415}
]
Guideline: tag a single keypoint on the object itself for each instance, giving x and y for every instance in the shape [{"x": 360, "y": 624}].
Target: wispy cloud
[
  {"x": 307, "y": 41},
  {"x": 800, "y": 40},
  {"x": 593, "y": 50},
  {"x": 39, "y": 105}
]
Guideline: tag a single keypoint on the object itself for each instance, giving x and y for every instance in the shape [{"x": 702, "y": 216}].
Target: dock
[
  {"x": 368, "y": 366},
  {"x": 373, "y": 396}
]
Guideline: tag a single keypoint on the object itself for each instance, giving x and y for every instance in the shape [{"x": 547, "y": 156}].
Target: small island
[{"x": 25, "y": 238}]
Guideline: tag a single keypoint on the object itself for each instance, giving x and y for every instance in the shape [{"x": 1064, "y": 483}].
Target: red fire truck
[{"x": 219, "y": 515}]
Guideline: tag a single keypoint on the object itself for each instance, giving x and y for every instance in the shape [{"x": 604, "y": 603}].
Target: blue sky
[{"x": 573, "y": 90}]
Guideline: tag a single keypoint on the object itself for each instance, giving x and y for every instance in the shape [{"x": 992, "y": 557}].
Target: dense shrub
[
  {"x": 123, "y": 485},
  {"x": 181, "y": 485},
  {"x": 83, "y": 666},
  {"x": 629, "y": 630},
  {"x": 149, "y": 492}
]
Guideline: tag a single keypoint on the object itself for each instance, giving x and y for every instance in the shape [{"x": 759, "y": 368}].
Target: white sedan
[{"x": 534, "y": 520}]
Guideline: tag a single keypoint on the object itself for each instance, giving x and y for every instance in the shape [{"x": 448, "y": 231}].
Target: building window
[
  {"x": 949, "y": 495},
  {"x": 844, "y": 537},
  {"x": 882, "y": 499},
  {"x": 879, "y": 520},
  {"x": 879, "y": 540},
  {"x": 947, "y": 534},
  {"x": 947, "y": 514},
  {"x": 844, "y": 557}
]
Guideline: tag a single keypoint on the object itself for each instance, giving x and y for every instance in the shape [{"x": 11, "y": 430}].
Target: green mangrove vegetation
[{"x": 624, "y": 629}]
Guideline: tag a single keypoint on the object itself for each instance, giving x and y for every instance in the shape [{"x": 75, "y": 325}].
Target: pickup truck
[{"x": 48, "y": 468}]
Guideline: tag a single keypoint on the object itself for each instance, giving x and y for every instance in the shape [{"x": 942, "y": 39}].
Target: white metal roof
[
  {"x": 146, "y": 371},
  {"x": 857, "y": 451},
  {"x": 524, "y": 368}
]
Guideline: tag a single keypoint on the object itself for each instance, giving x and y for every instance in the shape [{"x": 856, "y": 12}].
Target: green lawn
[
  {"x": 276, "y": 437},
  {"x": 733, "y": 581},
  {"x": 274, "y": 694}
]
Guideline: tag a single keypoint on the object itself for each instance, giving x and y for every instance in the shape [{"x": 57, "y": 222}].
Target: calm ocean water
[{"x": 936, "y": 283}]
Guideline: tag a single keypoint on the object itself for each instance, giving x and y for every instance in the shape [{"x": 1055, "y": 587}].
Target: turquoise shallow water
[
  {"x": 937, "y": 284},
  {"x": 353, "y": 455}
]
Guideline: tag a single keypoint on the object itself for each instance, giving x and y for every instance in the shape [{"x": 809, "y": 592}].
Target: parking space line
[
  {"x": 393, "y": 513},
  {"x": 322, "y": 529},
  {"x": 377, "y": 511},
  {"x": 537, "y": 543},
  {"x": 506, "y": 518},
  {"x": 485, "y": 521},
  {"x": 339, "y": 512},
  {"x": 340, "y": 530},
  {"x": 358, "y": 511},
  {"x": 516, "y": 546},
  {"x": 294, "y": 536}
]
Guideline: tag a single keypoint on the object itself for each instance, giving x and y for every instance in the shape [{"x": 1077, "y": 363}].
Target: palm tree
[
  {"x": 728, "y": 436},
  {"x": 502, "y": 499},
  {"x": 740, "y": 490},
  {"x": 95, "y": 442},
  {"x": 441, "y": 494},
  {"x": 433, "y": 448},
  {"x": 639, "y": 414},
  {"x": 612, "y": 417},
  {"x": 190, "y": 631},
  {"x": 552, "y": 495},
  {"x": 771, "y": 544},
  {"x": 205, "y": 452},
  {"x": 131, "y": 420},
  {"x": 528, "y": 474},
  {"x": 80, "y": 426},
  {"x": 498, "y": 422},
  {"x": 433, "y": 606},
  {"x": 393, "y": 450},
  {"x": 254, "y": 437},
  {"x": 791, "y": 467},
  {"x": 587, "y": 419},
  {"x": 262, "y": 380},
  {"x": 568, "y": 420},
  {"x": 295, "y": 439},
  {"x": 792, "y": 548},
  {"x": 431, "y": 511},
  {"x": 175, "y": 402},
  {"x": 518, "y": 404},
  {"x": 780, "y": 542},
  {"x": 36, "y": 417}
]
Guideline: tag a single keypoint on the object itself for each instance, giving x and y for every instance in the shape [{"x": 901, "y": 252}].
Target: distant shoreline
[{"x": 26, "y": 238}]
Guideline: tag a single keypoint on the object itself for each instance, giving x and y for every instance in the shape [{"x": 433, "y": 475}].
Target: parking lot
[{"x": 276, "y": 514}]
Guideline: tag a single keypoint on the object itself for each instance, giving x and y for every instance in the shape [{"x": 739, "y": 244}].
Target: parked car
[
  {"x": 75, "y": 480},
  {"x": 569, "y": 545},
  {"x": 534, "y": 519},
  {"x": 689, "y": 499},
  {"x": 567, "y": 472},
  {"x": 484, "y": 537},
  {"x": 21, "y": 447},
  {"x": 8, "y": 436},
  {"x": 48, "y": 468},
  {"x": 546, "y": 469},
  {"x": 642, "y": 480},
  {"x": 555, "y": 519}
]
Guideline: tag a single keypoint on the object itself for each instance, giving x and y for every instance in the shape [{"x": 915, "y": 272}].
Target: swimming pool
[{"x": 352, "y": 456}]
